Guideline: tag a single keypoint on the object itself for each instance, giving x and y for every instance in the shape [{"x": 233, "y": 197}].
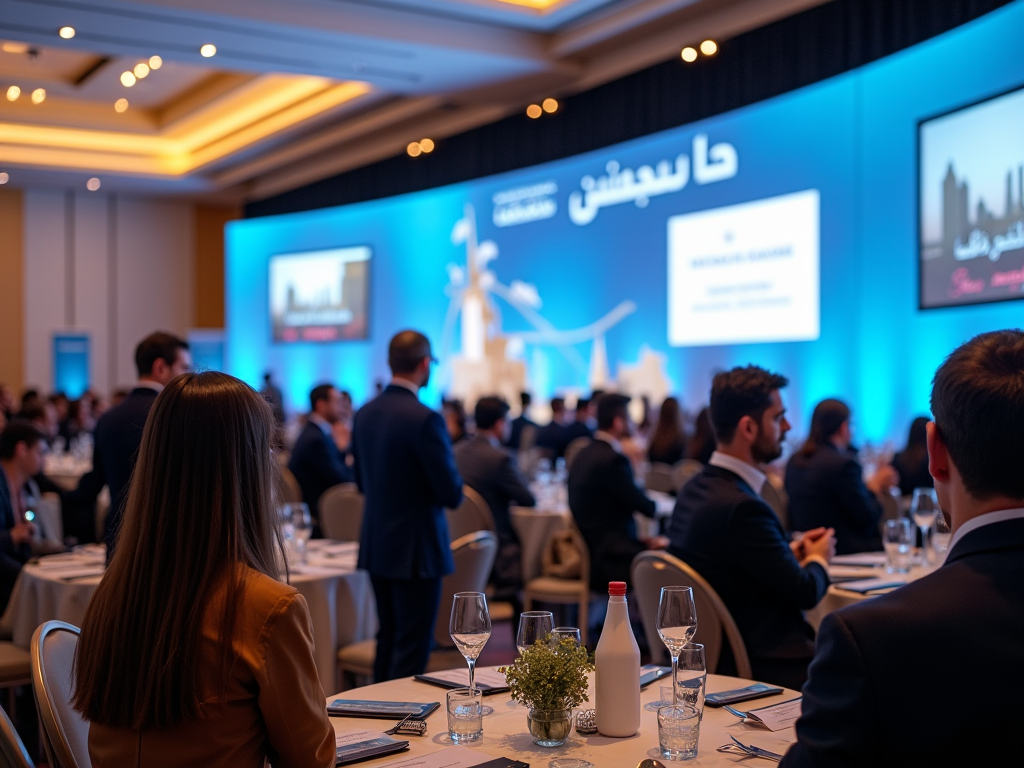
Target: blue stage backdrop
[{"x": 782, "y": 234}]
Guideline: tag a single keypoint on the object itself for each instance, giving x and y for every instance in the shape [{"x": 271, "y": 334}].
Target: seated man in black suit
[
  {"x": 580, "y": 426},
  {"x": 724, "y": 529},
  {"x": 886, "y": 667},
  {"x": 489, "y": 471},
  {"x": 317, "y": 461},
  {"x": 520, "y": 422},
  {"x": 552, "y": 435},
  {"x": 603, "y": 498},
  {"x": 826, "y": 488},
  {"x": 21, "y": 457}
]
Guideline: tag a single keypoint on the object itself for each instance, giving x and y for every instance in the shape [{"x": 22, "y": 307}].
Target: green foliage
[{"x": 550, "y": 677}]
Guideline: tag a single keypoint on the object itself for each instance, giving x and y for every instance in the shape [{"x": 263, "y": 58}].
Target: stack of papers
[
  {"x": 777, "y": 716},
  {"x": 71, "y": 565}
]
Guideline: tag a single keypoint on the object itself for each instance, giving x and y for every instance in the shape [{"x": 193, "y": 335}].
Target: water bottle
[{"x": 617, "y": 660}]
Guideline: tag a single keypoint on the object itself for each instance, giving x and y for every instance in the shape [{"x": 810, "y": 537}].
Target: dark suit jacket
[
  {"x": 575, "y": 430},
  {"x": 553, "y": 437},
  {"x": 115, "y": 449},
  {"x": 12, "y": 556},
  {"x": 827, "y": 489},
  {"x": 317, "y": 464},
  {"x": 515, "y": 436},
  {"x": 489, "y": 472},
  {"x": 405, "y": 468},
  {"x": 925, "y": 675},
  {"x": 731, "y": 537}
]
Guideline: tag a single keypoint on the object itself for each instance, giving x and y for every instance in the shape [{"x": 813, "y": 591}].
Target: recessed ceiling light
[
  {"x": 709, "y": 47},
  {"x": 155, "y": 62},
  {"x": 4, "y": 177},
  {"x": 141, "y": 70},
  {"x": 13, "y": 93},
  {"x": 534, "y": 111},
  {"x": 208, "y": 50},
  {"x": 10, "y": 46},
  {"x": 127, "y": 79},
  {"x": 121, "y": 105},
  {"x": 67, "y": 32},
  {"x": 550, "y": 106},
  {"x": 427, "y": 145},
  {"x": 414, "y": 149},
  {"x": 38, "y": 95},
  {"x": 92, "y": 184},
  {"x": 689, "y": 54}
]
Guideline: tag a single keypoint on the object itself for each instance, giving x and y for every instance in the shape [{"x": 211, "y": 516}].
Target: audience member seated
[
  {"x": 272, "y": 394},
  {"x": 79, "y": 420},
  {"x": 912, "y": 462},
  {"x": 317, "y": 461},
  {"x": 520, "y": 422},
  {"x": 603, "y": 497},
  {"x": 489, "y": 471},
  {"x": 724, "y": 529},
  {"x": 454, "y": 413},
  {"x": 668, "y": 443},
  {"x": 551, "y": 436},
  {"x": 21, "y": 457},
  {"x": 701, "y": 444},
  {"x": 579, "y": 426},
  {"x": 825, "y": 485},
  {"x": 192, "y": 652},
  {"x": 876, "y": 679},
  {"x": 8, "y": 405}
]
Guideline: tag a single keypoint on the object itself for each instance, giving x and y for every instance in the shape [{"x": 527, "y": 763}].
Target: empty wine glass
[
  {"x": 558, "y": 634},
  {"x": 301, "y": 527},
  {"x": 940, "y": 536},
  {"x": 533, "y": 626},
  {"x": 677, "y": 624},
  {"x": 470, "y": 629},
  {"x": 923, "y": 508}
]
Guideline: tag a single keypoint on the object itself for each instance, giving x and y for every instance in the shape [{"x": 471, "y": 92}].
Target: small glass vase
[{"x": 550, "y": 727}]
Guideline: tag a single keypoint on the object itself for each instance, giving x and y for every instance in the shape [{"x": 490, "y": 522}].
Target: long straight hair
[
  {"x": 200, "y": 507},
  {"x": 829, "y": 415},
  {"x": 669, "y": 432}
]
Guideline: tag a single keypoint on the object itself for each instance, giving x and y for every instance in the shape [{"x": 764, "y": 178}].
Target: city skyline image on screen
[{"x": 319, "y": 295}]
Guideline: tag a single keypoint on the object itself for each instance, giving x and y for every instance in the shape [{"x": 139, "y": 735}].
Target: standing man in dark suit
[
  {"x": 158, "y": 358},
  {"x": 21, "y": 458},
  {"x": 405, "y": 468},
  {"x": 724, "y": 529},
  {"x": 316, "y": 460},
  {"x": 603, "y": 497},
  {"x": 884, "y": 667},
  {"x": 551, "y": 436},
  {"x": 580, "y": 426},
  {"x": 520, "y": 422}
]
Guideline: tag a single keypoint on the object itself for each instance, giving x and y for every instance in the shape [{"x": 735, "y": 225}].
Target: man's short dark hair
[
  {"x": 488, "y": 411},
  {"x": 157, "y": 346},
  {"x": 525, "y": 399},
  {"x": 738, "y": 393},
  {"x": 406, "y": 351},
  {"x": 318, "y": 393},
  {"x": 978, "y": 405},
  {"x": 557, "y": 404},
  {"x": 18, "y": 431},
  {"x": 582, "y": 403},
  {"x": 610, "y": 407},
  {"x": 35, "y": 412}
]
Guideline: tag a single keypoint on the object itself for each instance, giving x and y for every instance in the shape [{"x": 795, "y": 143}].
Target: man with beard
[{"x": 724, "y": 529}]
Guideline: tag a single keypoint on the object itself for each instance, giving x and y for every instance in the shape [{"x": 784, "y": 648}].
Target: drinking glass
[
  {"x": 533, "y": 626},
  {"x": 465, "y": 715},
  {"x": 470, "y": 629},
  {"x": 923, "y": 508},
  {"x": 677, "y": 623},
  {"x": 678, "y": 732},
  {"x": 692, "y": 677},
  {"x": 558, "y": 634},
  {"x": 301, "y": 526},
  {"x": 940, "y": 536},
  {"x": 899, "y": 544}
]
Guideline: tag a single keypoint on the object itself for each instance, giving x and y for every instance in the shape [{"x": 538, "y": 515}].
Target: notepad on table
[
  {"x": 871, "y": 585},
  {"x": 866, "y": 559},
  {"x": 390, "y": 710},
  {"x": 487, "y": 681},
  {"x": 353, "y": 746}
]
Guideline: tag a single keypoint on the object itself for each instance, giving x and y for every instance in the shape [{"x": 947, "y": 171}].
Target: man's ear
[
  {"x": 938, "y": 456},
  {"x": 748, "y": 428}
]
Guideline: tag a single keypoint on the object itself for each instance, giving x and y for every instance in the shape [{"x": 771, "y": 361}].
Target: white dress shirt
[
  {"x": 320, "y": 421},
  {"x": 411, "y": 386},
  {"x": 981, "y": 520},
  {"x": 608, "y": 438},
  {"x": 750, "y": 474}
]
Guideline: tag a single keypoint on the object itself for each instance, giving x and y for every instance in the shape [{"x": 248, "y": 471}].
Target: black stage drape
[{"x": 796, "y": 51}]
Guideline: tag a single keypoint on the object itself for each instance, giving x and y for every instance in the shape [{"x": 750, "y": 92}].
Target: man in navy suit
[
  {"x": 158, "y": 358},
  {"x": 21, "y": 458},
  {"x": 926, "y": 675},
  {"x": 521, "y": 422},
  {"x": 316, "y": 460},
  {"x": 724, "y": 529},
  {"x": 405, "y": 468}
]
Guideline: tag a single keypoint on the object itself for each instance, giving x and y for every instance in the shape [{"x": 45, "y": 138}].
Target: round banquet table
[
  {"x": 506, "y": 735},
  {"x": 340, "y": 599},
  {"x": 837, "y": 597}
]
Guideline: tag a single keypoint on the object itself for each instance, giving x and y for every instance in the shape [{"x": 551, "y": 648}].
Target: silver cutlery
[{"x": 738, "y": 747}]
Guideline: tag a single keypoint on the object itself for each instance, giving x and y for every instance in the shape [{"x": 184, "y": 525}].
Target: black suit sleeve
[
  {"x": 628, "y": 495},
  {"x": 861, "y": 506},
  {"x": 508, "y": 480},
  {"x": 435, "y": 453},
  {"x": 761, "y": 552},
  {"x": 835, "y": 725},
  {"x": 327, "y": 464}
]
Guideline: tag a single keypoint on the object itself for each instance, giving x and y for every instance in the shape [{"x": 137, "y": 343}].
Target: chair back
[
  {"x": 573, "y": 449},
  {"x": 659, "y": 478},
  {"x": 472, "y": 515},
  {"x": 683, "y": 471},
  {"x": 778, "y": 500},
  {"x": 340, "y": 510},
  {"x": 653, "y": 570},
  {"x": 12, "y": 749},
  {"x": 65, "y": 731},
  {"x": 474, "y": 556},
  {"x": 288, "y": 490}
]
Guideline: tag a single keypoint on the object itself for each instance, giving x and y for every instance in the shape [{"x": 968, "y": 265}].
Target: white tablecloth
[
  {"x": 506, "y": 735},
  {"x": 340, "y": 600}
]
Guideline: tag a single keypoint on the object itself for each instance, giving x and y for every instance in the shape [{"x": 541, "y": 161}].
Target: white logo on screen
[{"x": 623, "y": 185}]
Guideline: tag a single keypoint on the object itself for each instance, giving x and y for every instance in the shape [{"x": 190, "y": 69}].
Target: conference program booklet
[
  {"x": 353, "y": 746},
  {"x": 487, "y": 681},
  {"x": 387, "y": 710}
]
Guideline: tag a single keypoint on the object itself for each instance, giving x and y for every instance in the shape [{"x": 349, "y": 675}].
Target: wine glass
[
  {"x": 558, "y": 634},
  {"x": 302, "y": 527},
  {"x": 677, "y": 624},
  {"x": 923, "y": 508},
  {"x": 533, "y": 626},
  {"x": 940, "y": 536},
  {"x": 470, "y": 629}
]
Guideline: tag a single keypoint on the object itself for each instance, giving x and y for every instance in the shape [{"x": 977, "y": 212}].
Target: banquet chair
[
  {"x": 65, "y": 733},
  {"x": 12, "y": 749},
  {"x": 683, "y": 471},
  {"x": 15, "y": 670},
  {"x": 551, "y": 589},
  {"x": 288, "y": 490},
  {"x": 473, "y": 514},
  {"x": 776, "y": 498},
  {"x": 653, "y": 570},
  {"x": 659, "y": 478},
  {"x": 572, "y": 450},
  {"x": 474, "y": 557},
  {"x": 341, "y": 512}
]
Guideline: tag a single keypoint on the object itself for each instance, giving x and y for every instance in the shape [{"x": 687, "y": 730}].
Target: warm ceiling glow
[
  {"x": 534, "y": 111},
  {"x": 414, "y": 149},
  {"x": 141, "y": 70},
  {"x": 92, "y": 184},
  {"x": 709, "y": 47},
  {"x": 127, "y": 79},
  {"x": 208, "y": 50},
  {"x": 121, "y": 105},
  {"x": 539, "y": 5},
  {"x": 67, "y": 32},
  {"x": 427, "y": 145},
  {"x": 689, "y": 54},
  {"x": 155, "y": 62},
  {"x": 13, "y": 93},
  {"x": 550, "y": 106},
  {"x": 38, "y": 95},
  {"x": 12, "y": 47},
  {"x": 4, "y": 177}
]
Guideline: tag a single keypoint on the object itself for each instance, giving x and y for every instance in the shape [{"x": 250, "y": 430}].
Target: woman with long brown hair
[
  {"x": 668, "y": 443},
  {"x": 191, "y": 652}
]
